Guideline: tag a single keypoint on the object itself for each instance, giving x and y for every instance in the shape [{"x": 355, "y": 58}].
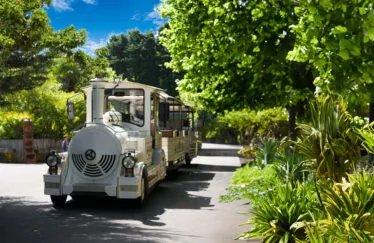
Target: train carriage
[{"x": 134, "y": 134}]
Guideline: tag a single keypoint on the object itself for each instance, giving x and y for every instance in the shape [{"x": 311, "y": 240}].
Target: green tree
[
  {"x": 140, "y": 57},
  {"x": 133, "y": 56},
  {"x": 234, "y": 53},
  {"x": 75, "y": 71},
  {"x": 28, "y": 43},
  {"x": 337, "y": 38}
]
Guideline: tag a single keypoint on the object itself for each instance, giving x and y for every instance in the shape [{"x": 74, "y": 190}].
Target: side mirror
[{"x": 70, "y": 111}]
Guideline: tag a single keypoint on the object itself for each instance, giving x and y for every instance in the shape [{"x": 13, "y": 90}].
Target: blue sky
[{"x": 102, "y": 18}]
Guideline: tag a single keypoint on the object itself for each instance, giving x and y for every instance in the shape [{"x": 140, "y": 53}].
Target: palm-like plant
[
  {"x": 292, "y": 167},
  {"x": 349, "y": 207},
  {"x": 267, "y": 151},
  {"x": 329, "y": 140},
  {"x": 278, "y": 217},
  {"x": 366, "y": 135}
]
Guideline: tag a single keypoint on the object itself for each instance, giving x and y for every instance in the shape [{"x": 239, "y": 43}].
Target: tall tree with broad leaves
[
  {"x": 337, "y": 38},
  {"x": 28, "y": 43},
  {"x": 234, "y": 53}
]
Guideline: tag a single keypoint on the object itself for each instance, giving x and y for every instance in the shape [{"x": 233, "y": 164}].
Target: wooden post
[{"x": 28, "y": 141}]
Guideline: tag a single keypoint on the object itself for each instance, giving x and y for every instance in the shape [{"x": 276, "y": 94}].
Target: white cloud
[
  {"x": 89, "y": 1},
  {"x": 155, "y": 18},
  {"x": 136, "y": 16},
  {"x": 61, "y": 5},
  {"x": 92, "y": 45},
  {"x": 64, "y": 5}
]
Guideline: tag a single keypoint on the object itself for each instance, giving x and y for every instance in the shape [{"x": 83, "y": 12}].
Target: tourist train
[{"x": 133, "y": 135}]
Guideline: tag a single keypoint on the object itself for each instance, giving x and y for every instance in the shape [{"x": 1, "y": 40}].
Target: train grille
[{"x": 94, "y": 170}]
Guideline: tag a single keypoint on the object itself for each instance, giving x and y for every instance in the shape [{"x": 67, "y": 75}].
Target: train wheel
[
  {"x": 144, "y": 191},
  {"x": 58, "y": 201}
]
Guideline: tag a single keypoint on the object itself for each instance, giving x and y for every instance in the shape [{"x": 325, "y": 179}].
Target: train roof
[{"x": 115, "y": 84}]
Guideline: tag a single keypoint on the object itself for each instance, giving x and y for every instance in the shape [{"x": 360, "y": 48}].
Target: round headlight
[
  {"x": 52, "y": 160},
  {"x": 128, "y": 162}
]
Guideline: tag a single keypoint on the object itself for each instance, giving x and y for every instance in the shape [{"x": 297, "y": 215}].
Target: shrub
[
  {"x": 11, "y": 124},
  {"x": 349, "y": 208},
  {"x": 280, "y": 216},
  {"x": 292, "y": 167},
  {"x": 241, "y": 126},
  {"x": 249, "y": 122},
  {"x": 46, "y": 105},
  {"x": 251, "y": 182},
  {"x": 329, "y": 140},
  {"x": 267, "y": 151}
]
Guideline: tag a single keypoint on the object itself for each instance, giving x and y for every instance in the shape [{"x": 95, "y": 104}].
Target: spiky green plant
[
  {"x": 329, "y": 141},
  {"x": 278, "y": 217},
  {"x": 366, "y": 135},
  {"x": 266, "y": 152},
  {"x": 349, "y": 207},
  {"x": 314, "y": 234},
  {"x": 292, "y": 167}
]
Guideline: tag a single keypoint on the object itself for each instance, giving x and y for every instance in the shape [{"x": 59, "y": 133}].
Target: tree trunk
[{"x": 292, "y": 122}]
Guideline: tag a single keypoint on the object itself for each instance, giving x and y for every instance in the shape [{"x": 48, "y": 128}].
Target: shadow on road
[
  {"x": 212, "y": 168},
  {"x": 76, "y": 223},
  {"x": 99, "y": 219}
]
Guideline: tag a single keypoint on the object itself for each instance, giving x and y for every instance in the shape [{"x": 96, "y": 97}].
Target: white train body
[{"x": 125, "y": 147}]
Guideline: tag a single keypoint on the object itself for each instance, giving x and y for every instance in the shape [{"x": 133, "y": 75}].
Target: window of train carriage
[
  {"x": 163, "y": 113},
  {"x": 129, "y": 103},
  {"x": 154, "y": 113}
]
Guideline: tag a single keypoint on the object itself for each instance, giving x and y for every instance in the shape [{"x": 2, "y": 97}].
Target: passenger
[{"x": 65, "y": 144}]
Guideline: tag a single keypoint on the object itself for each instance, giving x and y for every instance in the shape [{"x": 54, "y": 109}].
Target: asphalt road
[{"x": 184, "y": 208}]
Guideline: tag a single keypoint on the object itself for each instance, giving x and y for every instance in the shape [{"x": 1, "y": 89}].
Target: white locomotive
[{"x": 133, "y": 135}]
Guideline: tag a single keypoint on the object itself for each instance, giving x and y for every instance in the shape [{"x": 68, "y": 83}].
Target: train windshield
[{"x": 127, "y": 106}]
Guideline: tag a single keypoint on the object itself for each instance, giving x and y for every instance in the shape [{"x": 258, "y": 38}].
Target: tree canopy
[
  {"x": 337, "y": 38},
  {"x": 28, "y": 43},
  {"x": 76, "y": 70},
  {"x": 234, "y": 53},
  {"x": 139, "y": 57}
]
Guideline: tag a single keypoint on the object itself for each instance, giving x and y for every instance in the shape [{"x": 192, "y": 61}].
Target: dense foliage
[
  {"x": 140, "y": 57},
  {"x": 245, "y": 125},
  {"x": 46, "y": 106},
  {"x": 75, "y": 71},
  {"x": 337, "y": 38},
  {"x": 329, "y": 140},
  {"x": 315, "y": 191},
  {"x": 28, "y": 43},
  {"x": 11, "y": 124},
  {"x": 37, "y": 64},
  {"x": 234, "y": 52}
]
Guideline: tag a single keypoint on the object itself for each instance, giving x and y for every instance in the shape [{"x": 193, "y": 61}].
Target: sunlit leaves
[
  {"x": 233, "y": 47},
  {"x": 369, "y": 25},
  {"x": 28, "y": 43},
  {"x": 46, "y": 106},
  {"x": 338, "y": 41}
]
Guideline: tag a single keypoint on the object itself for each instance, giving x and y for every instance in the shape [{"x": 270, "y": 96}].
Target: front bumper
[{"x": 127, "y": 187}]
